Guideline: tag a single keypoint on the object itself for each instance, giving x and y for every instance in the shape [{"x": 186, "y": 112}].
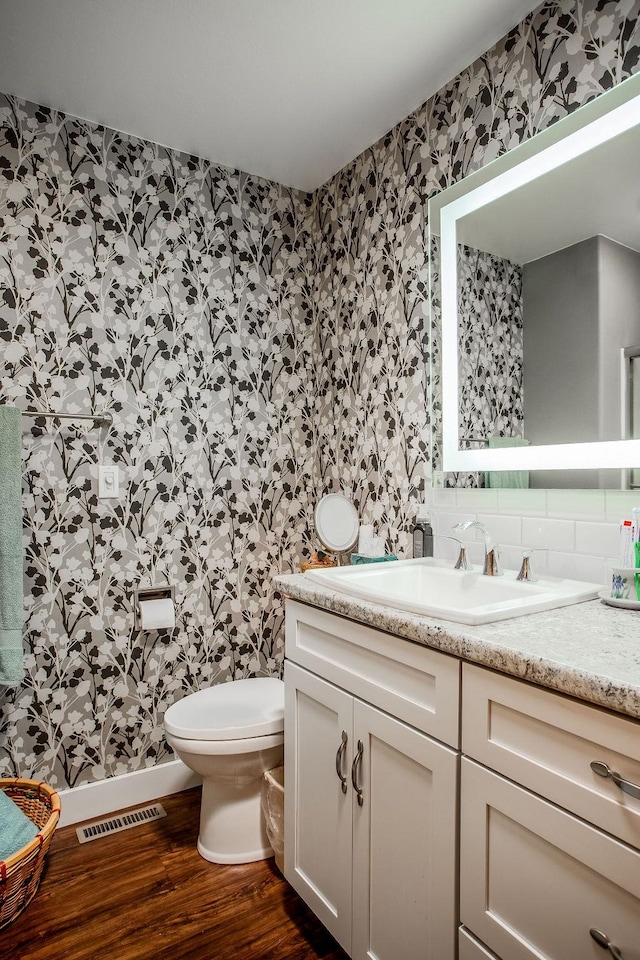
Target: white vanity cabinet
[
  {"x": 371, "y": 794},
  {"x": 548, "y": 849},
  {"x": 415, "y": 837}
]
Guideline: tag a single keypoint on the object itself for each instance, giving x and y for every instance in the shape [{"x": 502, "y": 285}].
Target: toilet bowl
[{"x": 230, "y": 734}]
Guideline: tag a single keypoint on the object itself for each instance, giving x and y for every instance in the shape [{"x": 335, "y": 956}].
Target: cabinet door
[
  {"x": 318, "y": 814},
  {"x": 470, "y": 949},
  {"x": 535, "y": 880},
  {"x": 404, "y": 842}
]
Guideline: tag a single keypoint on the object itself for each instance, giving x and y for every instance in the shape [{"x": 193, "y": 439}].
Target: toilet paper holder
[{"x": 162, "y": 592}]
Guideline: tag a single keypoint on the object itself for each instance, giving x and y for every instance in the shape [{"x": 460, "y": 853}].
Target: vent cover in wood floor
[{"x": 123, "y": 821}]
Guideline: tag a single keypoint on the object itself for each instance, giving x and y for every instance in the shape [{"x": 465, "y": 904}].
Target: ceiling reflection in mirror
[{"x": 541, "y": 314}]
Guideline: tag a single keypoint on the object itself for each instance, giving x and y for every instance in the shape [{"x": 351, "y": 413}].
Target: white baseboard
[{"x": 91, "y": 800}]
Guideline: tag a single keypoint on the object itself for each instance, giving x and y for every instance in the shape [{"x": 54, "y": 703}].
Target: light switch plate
[{"x": 108, "y": 481}]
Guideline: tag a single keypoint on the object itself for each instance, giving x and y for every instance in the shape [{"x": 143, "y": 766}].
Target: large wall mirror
[{"x": 538, "y": 256}]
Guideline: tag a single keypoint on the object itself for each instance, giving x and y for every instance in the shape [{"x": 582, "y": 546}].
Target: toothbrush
[{"x": 635, "y": 513}]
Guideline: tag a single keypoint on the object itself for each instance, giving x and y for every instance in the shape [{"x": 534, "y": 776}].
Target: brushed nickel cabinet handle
[
  {"x": 354, "y": 772},
  {"x": 601, "y": 768},
  {"x": 603, "y": 941},
  {"x": 339, "y": 758}
]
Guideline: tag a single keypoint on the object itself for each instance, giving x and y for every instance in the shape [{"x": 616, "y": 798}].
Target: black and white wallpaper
[
  {"x": 178, "y": 296},
  {"x": 490, "y": 345},
  {"x": 257, "y": 347}
]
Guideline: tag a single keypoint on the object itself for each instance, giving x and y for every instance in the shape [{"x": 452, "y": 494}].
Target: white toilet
[{"x": 230, "y": 734}]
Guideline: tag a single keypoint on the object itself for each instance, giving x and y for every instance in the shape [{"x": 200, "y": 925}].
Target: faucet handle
[
  {"x": 526, "y": 573},
  {"x": 463, "y": 562}
]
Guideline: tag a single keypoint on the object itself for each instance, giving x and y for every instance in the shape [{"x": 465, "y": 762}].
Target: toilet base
[
  {"x": 249, "y": 856},
  {"x": 232, "y": 828}
]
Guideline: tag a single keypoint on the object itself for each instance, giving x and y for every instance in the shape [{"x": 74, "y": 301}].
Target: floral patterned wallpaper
[
  {"x": 490, "y": 345},
  {"x": 178, "y": 296},
  {"x": 257, "y": 347}
]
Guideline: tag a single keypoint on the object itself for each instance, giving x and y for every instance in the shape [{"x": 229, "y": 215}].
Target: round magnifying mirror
[{"x": 337, "y": 523}]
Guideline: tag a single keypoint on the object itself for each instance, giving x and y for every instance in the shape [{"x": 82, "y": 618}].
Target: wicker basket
[{"x": 20, "y": 874}]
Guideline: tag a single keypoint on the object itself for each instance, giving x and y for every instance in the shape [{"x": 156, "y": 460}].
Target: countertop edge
[{"x": 468, "y": 643}]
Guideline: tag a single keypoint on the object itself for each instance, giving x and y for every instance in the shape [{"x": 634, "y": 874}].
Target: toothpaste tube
[{"x": 627, "y": 543}]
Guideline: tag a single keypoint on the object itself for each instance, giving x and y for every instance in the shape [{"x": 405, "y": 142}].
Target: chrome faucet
[{"x": 491, "y": 558}]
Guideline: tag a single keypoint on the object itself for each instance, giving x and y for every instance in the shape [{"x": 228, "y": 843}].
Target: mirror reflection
[{"x": 548, "y": 308}]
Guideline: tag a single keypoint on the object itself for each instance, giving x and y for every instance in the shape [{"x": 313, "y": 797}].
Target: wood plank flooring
[{"x": 146, "y": 894}]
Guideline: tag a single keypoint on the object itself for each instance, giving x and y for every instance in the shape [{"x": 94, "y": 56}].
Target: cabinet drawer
[
  {"x": 411, "y": 682},
  {"x": 547, "y": 741},
  {"x": 535, "y": 880},
  {"x": 470, "y": 949}
]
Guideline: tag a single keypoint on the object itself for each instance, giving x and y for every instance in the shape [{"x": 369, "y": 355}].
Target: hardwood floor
[{"x": 146, "y": 894}]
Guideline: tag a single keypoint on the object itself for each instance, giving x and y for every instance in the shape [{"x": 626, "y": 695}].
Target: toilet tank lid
[{"x": 229, "y": 711}]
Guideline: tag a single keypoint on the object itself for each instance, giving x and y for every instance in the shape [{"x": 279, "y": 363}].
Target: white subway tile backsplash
[
  {"x": 576, "y": 531},
  {"x": 619, "y": 504},
  {"x": 440, "y": 498},
  {"x": 524, "y": 503},
  {"x": 577, "y": 504},
  {"x": 550, "y": 534},
  {"x": 597, "y": 539},
  {"x": 485, "y": 500},
  {"x": 443, "y": 522},
  {"x": 503, "y": 530},
  {"x": 573, "y": 567}
]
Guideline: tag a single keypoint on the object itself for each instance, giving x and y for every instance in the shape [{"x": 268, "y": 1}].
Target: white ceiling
[{"x": 290, "y": 90}]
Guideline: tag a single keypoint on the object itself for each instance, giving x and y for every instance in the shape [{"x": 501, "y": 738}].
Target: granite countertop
[{"x": 588, "y": 650}]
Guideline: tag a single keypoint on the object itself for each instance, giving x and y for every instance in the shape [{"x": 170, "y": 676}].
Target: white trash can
[{"x": 273, "y": 810}]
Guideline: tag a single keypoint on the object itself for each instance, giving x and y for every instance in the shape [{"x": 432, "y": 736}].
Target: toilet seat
[{"x": 240, "y": 710}]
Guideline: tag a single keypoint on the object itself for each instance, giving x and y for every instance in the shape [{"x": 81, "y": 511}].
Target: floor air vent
[{"x": 124, "y": 821}]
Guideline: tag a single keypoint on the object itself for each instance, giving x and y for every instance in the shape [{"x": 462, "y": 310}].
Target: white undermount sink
[{"x": 430, "y": 588}]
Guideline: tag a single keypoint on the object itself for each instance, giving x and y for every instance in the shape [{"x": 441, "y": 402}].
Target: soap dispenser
[{"x": 423, "y": 536}]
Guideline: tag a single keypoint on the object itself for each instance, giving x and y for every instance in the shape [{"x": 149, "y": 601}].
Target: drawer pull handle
[
  {"x": 603, "y": 941},
  {"x": 601, "y": 768},
  {"x": 354, "y": 772},
  {"x": 339, "y": 759}
]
